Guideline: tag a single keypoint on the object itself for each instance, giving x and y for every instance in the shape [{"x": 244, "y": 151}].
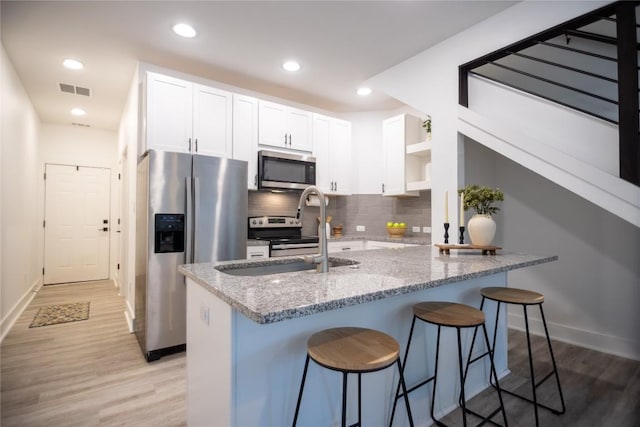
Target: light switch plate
[
  {"x": 415, "y": 229},
  {"x": 360, "y": 228},
  {"x": 426, "y": 229}
]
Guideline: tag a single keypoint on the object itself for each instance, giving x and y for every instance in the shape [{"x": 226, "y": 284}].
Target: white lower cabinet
[
  {"x": 257, "y": 252},
  {"x": 345, "y": 246}
]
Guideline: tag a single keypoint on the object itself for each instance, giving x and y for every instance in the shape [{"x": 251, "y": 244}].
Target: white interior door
[{"x": 76, "y": 224}]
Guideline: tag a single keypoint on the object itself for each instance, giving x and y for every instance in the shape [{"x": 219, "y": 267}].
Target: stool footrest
[
  {"x": 478, "y": 358},
  {"x": 415, "y": 387},
  {"x": 525, "y": 398},
  {"x": 486, "y": 419}
]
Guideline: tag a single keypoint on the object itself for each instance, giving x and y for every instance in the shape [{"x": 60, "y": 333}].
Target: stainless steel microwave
[{"x": 288, "y": 171}]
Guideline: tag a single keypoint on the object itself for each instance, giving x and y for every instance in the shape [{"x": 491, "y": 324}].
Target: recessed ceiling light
[
  {"x": 78, "y": 112},
  {"x": 72, "y": 64},
  {"x": 291, "y": 66},
  {"x": 184, "y": 30},
  {"x": 364, "y": 91}
]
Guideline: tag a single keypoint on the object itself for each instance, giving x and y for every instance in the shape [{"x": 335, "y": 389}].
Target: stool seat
[
  {"x": 353, "y": 349},
  {"x": 448, "y": 314},
  {"x": 512, "y": 295}
]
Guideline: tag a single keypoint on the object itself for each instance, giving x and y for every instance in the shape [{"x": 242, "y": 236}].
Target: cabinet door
[
  {"x": 321, "y": 132},
  {"x": 212, "y": 121},
  {"x": 271, "y": 125},
  {"x": 341, "y": 156},
  {"x": 169, "y": 104},
  {"x": 394, "y": 156},
  {"x": 245, "y": 136},
  {"x": 298, "y": 126}
]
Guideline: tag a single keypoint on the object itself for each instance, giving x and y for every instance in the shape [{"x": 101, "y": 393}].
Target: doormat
[{"x": 63, "y": 313}]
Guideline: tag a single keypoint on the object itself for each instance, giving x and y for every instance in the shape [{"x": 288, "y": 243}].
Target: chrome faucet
[{"x": 322, "y": 259}]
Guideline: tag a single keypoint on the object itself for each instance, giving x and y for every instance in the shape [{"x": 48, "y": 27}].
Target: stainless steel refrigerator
[{"x": 189, "y": 209}]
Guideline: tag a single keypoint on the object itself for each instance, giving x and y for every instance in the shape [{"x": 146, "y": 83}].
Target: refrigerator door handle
[
  {"x": 189, "y": 221},
  {"x": 196, "y": 209}
]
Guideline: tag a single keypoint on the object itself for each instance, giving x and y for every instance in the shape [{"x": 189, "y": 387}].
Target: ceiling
[{"x": 340, "y": 45}]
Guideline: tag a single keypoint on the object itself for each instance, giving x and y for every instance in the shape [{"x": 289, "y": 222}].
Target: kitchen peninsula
[{"x": 246, "y": 335}]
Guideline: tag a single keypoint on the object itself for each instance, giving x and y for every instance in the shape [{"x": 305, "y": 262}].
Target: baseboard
[
  {"x": 130, "y": 317},
  {"x": 15, "y": 312},
  {"x": 610, "y": 344}
]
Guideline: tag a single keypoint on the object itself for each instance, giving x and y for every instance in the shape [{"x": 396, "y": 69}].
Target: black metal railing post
[{"x": 628, "y": 92}]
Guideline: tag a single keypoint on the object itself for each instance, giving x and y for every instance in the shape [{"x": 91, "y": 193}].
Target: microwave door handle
[{"x": 189, "y": 225}]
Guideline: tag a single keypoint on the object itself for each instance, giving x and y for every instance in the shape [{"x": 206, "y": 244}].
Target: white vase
[{"x": 482, "y": 229}]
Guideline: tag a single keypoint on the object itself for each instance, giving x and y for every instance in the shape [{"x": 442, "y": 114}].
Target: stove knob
[
  {"x": 291, "y": 221},
  {"x": 260, "y": 222},
  {"x": 254, "y": 222},
  {"x": 297, "y": 221}
]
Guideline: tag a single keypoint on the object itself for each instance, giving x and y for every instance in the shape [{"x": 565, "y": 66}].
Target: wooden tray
[{"x": 491, "y": 250}]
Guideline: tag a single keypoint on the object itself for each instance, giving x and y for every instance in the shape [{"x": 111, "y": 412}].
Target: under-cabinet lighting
[
  {"x": 363, "y": 91},
  {"x": 78, "y": 112}
]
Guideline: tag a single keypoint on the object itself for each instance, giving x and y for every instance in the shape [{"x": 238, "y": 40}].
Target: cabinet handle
[
  {"x": 383, "y": 188},
  {"x": 285, "y": 139},
  {"x": 196, "y": 145},
  {"x": 255, "y": 180},
  {"x": 346, "y": 249},
  {"x": 289, "y": 140},
  {"x": 335, "y": 186},
  {"x": 189, "y": 144}
]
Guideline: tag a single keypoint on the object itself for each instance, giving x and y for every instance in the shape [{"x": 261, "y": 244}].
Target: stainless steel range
[{"x": 284, "y": 234}]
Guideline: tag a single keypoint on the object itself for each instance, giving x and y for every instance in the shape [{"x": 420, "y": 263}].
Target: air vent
[
  {"x": 81, "y": 125},
  {"x": 75, "y": 89}
]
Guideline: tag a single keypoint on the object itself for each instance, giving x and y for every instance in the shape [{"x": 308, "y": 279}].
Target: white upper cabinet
[
  {"x": 397, "y": 133},
  {"x": 284, "y": 127},
  {"x": 212, "y": 121},
  {"x": 245, "y": 136},
  {"x": 186, "y": 117},
  {"x": 332, "y": 150},
  {"x": 168, "y": 112}
]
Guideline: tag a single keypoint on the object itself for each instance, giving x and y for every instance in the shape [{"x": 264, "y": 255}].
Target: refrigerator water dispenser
[{"x": 169, "y": 233}]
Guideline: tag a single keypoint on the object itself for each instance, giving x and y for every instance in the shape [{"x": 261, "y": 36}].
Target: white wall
[
  {"x": 592, "y": 292},
  {"x": 21, "y": 247}
]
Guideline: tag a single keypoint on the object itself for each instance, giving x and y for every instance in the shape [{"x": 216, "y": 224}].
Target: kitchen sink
[{"x": 279, "y": 266}]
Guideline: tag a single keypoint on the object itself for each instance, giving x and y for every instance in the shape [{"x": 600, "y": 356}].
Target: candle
[
  {"x": 446, "y": 206},
  {"x": 461, "y": 209}
]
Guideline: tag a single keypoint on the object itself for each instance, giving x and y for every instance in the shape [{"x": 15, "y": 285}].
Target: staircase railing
[{"x": 589, "y": 64}]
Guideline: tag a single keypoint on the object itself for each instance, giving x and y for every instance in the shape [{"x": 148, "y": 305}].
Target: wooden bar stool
[
  {"x": 352, "y": 350},
  {"x": 525, "y": 298},
  {"x": 459, "y": 316}
]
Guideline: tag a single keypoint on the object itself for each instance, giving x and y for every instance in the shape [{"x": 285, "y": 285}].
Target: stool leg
[
  {"x": 404, "y": 364},
  {"x": 553, "y": 361},
  {"x": 359, "y": 400},
  {"x": 495, "y": 375},
  {"x": 464, "y": 408},
  {"x": 533, "y": 378},
  {"x": 473, "y": 341},
  {"x": 304, "y": 377},
  {"x": 404, "y": 392},
  {"x": 435, "y": 381},
  {"x": 344, "y": 399}
]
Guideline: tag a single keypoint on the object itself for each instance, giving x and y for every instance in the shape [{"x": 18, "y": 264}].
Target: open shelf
[{"x": 420, "y": 149}]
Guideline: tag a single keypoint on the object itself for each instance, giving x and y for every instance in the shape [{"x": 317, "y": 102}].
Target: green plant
[
  {"x": 427, "y": 124},
  {"x": 481, "y": 199}
]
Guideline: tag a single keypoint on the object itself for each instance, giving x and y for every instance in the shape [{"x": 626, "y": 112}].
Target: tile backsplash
[{"x": 371, "y": 210}]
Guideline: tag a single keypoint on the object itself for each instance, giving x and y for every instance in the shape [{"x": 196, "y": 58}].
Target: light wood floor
[
  {"x": 87, "y": 373},
  {"x": 92, "y": 373}
]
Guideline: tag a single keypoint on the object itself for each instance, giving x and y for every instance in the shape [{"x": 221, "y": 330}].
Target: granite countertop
[{"x": 380, "y": 274}]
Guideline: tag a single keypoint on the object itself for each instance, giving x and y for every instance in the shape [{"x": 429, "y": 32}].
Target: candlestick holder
[
  {"x": 446, "y": 232},
  {"x": 461, "y": 241}
]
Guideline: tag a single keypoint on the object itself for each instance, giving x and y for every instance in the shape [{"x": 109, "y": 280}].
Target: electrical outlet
[
  {"x": 415, "y": 229},
  {"x": 204, "y": 314},
  {"x": 360, "y": 228},
  {"x": 426, "y": 229}
]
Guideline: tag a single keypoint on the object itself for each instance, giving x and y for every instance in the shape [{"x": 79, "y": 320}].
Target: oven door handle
[{"x": 294, "y": 245}]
